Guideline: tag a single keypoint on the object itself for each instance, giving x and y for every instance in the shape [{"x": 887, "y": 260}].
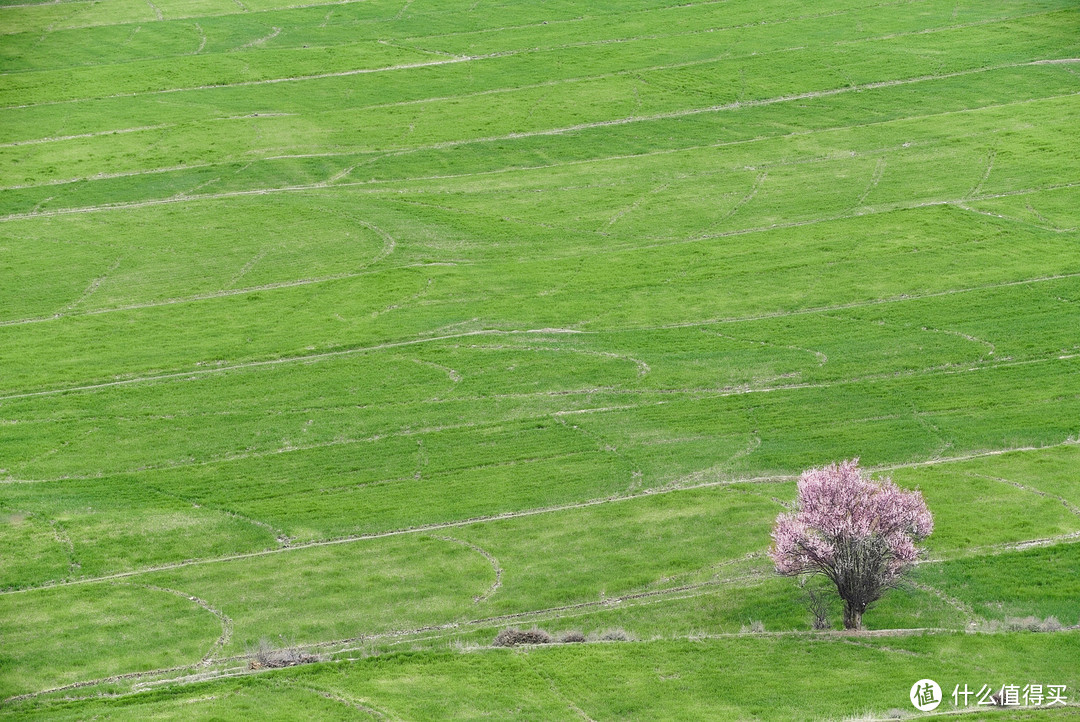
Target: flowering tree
[{"x": 858, "y": 533}]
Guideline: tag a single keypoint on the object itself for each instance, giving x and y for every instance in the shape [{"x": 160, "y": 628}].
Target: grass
[
  {"x": 717, "y": 678},
  {"x": 374, "y": 328}
]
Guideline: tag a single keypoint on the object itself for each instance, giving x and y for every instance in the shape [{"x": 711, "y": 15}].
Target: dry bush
[
  {"x": 618, "y": 634},
  {"x": 512, "y": 637},
  {"x": 1051, "y": 624},
  {"x": 756, "y": 627},
  {"x": 1032, "y": 624},
  {"x": 572, "y": 637},
  {"x": 1022, "y": 624},
  {"x": 266, "y": 656}
]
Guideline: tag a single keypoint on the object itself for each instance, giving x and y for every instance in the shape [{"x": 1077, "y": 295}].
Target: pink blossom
[{"x": 859, "y": 533}]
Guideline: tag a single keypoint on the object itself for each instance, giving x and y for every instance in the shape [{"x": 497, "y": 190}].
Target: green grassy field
[{"x": 375, "y": 327}]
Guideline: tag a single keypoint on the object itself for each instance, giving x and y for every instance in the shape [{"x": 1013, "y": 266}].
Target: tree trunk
[{"x": 852, "y": 617}]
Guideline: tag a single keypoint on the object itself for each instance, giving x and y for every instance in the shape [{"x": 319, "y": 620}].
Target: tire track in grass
[
  {"x": 390, "y": 244},
  {"x": 985, "y": 176},
  {"x": 403, "y": 433},
  {"x": 687, "y": 591},
  {"x": 748, "y": 557},
  {"x": 630, "y": 156},
  {"x": 379, "y": 154},
  {"x": 95, "y": 134},
  {"x": 811, "y": 16},
  {"x": 1073, "y": 508},
  {"x": 245, "y": 268},
  {"x": 755, "y": 440},
  {"x": 388, "y": 247},
  {"x": 899, "y": 298},
  {"x": 90, "y": 289},
  {"x": 105, "y": 176},
  {"x": 89, "y": 3},
  {"x": 520, "y": 617},
  {"x": 650, "y": 246},
  {"x": 1005, "y": 547},
  {"x": 428, "y": 528},
  {"x": 550, "y": 681},
  {"x": 364, "y": 706},
  {"x": 243, "y": 671},
  {"x": 279, "y": 535},
  {"x": 64, "y": 540},
  {"x": 560, "y": 612},
  {"x": 971, "y": 618},
  {"x": 25, "y": 463},
  {"x": 547, "y": 132},
  {"x": 618, "y": 215},
  {"x": 487, "y": 555},
  {"x": 285, "y": 360},
  {"x": 603, "y": 447},
  {"x": 513, "y": 52},
  {"x": 263, "y": 81},
  {"x": 452, "y": 374},
  {"x": 643, "y": 367},
  {"x": 224, "y": 619},
  {"x": 821, "y": 357},
  {"x": 1018, "y": 221},
  {"x": 207, "y": 659},
  {"x": 393, "y": 634},
  {"x": 869, "y": 211},
  {"x": 875, "y": 178},
  {"x": 102, "y": 680},
  {"x": 274, "y": 32},
  {"x": 750, "y": 195}
]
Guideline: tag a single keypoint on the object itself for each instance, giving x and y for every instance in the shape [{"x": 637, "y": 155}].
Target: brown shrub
[
  {"x": 615, "y": 635},
  {"x": 267, "y": 656},
  {"x": 512, "y": 637}
]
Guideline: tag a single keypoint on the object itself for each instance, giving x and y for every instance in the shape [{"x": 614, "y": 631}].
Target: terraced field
[{"x": 374, "y": 327}]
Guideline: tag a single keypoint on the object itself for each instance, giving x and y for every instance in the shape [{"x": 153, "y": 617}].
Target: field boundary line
[
  {"x": 643, "y": 368},
  {"x": 903, "y": 298},
  {"x": 264, "y": 81},
  {"x": 558, "y": 415},
  {"x": 514, "y": 52},
  {"x": 667, "y": 115},
  {"x": 384, "y": 153},
  {"x": 79, "y": 136},
  {"x": 569, "y": 163},
  {"x": 422, "y": 529},
  {"x": 290, "y": 359},
  {"x": 330, "y": 183},
  {"x": 491, "y": 30}
]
